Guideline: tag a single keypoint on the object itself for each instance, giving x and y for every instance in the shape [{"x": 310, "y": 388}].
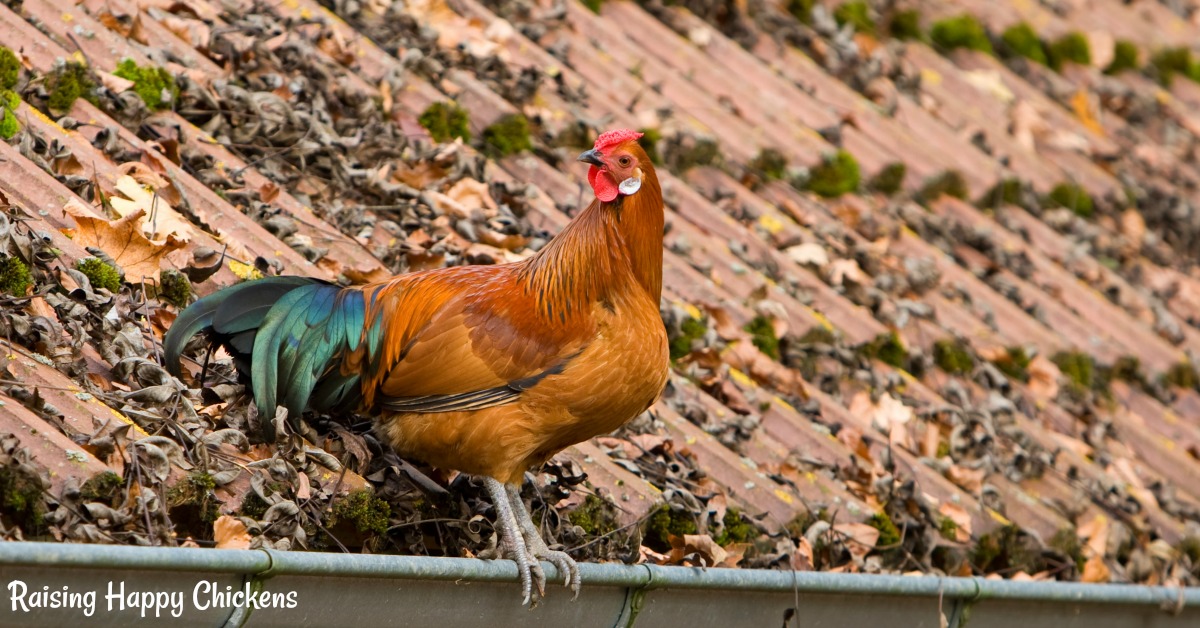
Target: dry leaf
[
  {"x": 268, "y": 192},
  {"x": 122, "y": 239},
  {"x": 1094, "y": 570},
  {"x": 124, "y": 25},
  {"x": 230, "y": 533},
  {"x": 1043, "y": 378},
  {"x": 1095, "y": 534},
  {"x": 703, "y": 545},
  {"x": 802, "y": 560},
  {"x": 161, "y": 220},
  {"x": 971, "y": 480},
  {"x": 961, "y": 519},
  {"x": 860, "y": 538}
]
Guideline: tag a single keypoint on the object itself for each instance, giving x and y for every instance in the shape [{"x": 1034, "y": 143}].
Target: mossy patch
[
  {"x": 10, "y": 68},
  {"x": 22, "y": 500},
  {"x": 15, "y": 277},
  {"x": 906, "y": 25},
  {"x": 1007, "y": 192},
  {"x": 253, "y": 506},
  {"x": 1078, "y": 368},
  {"x": 963, "y": 31},
  {"x": 1014, "y": 362},
  {"x": 948, "y": 529},
  {"x": 948, "y": 183},
  {"x": 888, "y": 348},
  {"x": 801, "y": 10},
  {"x": 68, "y": 82},
  {"x": 1070, "y": 48},
  {"x": 9, "y": 125},
  {"x": 762, "y": 334},
  {"x": 770, "y": 164},
  {"x": 889, "y": 534},
  {"x": 100, "y": 274},
  {"x": 835, "y": 176},
  {"x": 174, "y": 288},
  {"x": 857, "y": 14},
  {"x": 192, "y": 505},
  {"x": 953, "y": 357},
  {"x": 1020, "y": 40},
  {"x": 1071, "y": 196},
  {"x": 737, "y": 529},
  {"x": 1066, "y": 542},
  {"x": 103, "y": 487},
  {"x": 1169, "y": 62},
  {"x": 667, "y": 522},
  {"x": 446, "y": 121},
  {"x": 593, "y": 5},
  {"x": 154, "y": 85},
  {"x": 1182, "y": 375},
  {"x": 1125, "y": 57},
  {"x": 366, "y": 512},
  {"x": 595, "y": 516},
  {"x": 690, "y": 330},
  {"x": 683, "y": 154},
  {"x": 890, "y": 179},
  {"x": 649, "y": 143},
  {"x": 1008, "y": 550},
  {"x": 507, "y": 136}
]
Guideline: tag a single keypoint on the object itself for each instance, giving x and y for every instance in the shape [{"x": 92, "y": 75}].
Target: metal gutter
[{"x": 336, "y": 589}]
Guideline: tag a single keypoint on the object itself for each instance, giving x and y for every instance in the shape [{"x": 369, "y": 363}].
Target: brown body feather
[{"x": 493, "y": 369}]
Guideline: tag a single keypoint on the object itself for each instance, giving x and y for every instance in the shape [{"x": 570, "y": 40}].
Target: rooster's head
[{"x": 616, "y": 162}]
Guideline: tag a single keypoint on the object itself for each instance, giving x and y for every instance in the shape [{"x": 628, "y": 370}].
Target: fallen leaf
[
  {"x": 802, "y": 560},
  {"x": 1043, "y": 378},
  {"x": 124, "y": 25},
  {"x": 268, "y": 192},
  {"x": 702, "y": 545},
  {"x": 230, "y": 533},
  {"x": 809, "y": 253},
  {"x": 1094, "y": 570},
  {"x": 161, "y": 220},
  {"x": 860, "y": 538},
  {"x": 961, "y": 519},
  {"x": 123, "y": 241},
  {"x": 970, "y": 480},
  {"x": 1094, "y": 532}
]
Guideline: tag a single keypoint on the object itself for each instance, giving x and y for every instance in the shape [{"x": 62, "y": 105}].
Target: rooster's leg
[
  {"x": 537, "y": 546},
  {"x": 512, "y": 541}
]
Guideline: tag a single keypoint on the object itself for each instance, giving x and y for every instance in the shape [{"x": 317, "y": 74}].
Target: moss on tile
[
  {"x": 1071, "y": 196},
  {"x": 770, "y": 164},
  {"x": 1007, "y": 192},
  {"x": 1014, "y": 362},
  {"x": 737, "y": 529},
  {"x": 948, "y": 183},
  {"x": 889, "y": 534},
  {"x": 835, "y": 176},
  {"x": 154, "y": 85},
  {"x": 595, "y": 516},
  {"x": 667, "y": 522},
  {"x": 1006, "y": 549},
  {"x": 1078, "y": 368},
  {"x": 10, "y": 68},
  {"x": 890, "y": 179},
  {"x": 762, "y": 334},
  {"x": 1072, "y": 47},
  {"x": 905, "y": 25},
  {"x": 593, "y": 5},
  {"x": 15, "y": 277},
  {"x": 102, "y": 487},
  {"x": 192, "y": 503},
  {"x": 856, "y": 13},
  {"x": 948, "y": 529},
  {"x": 366, "y": 512},
  {"x": 701, "y": 151},
  {"x": 690, "y": 330},
  {"x": 953, "y": 356},
  {"x": 1125, "y": 57},
  {"x": 649, "y": 143},
  {"x": 100, "y": 274},
  {"x": 1182, "y": 375},
  {"x": 9, "y": 125},
  {"x": 1066, "y": 542},
  {"x": 1020, "y": 40},
  {"x": 68, "y": 82},
  {"x": 1169, "y": 62},
  {"x": 962, "y": 31},
  {"x": 507, "y": 136},
  {"x": 445, "y": 121},
  {"x": 174, "y": 288},
  {"x": 801, "y": 10},
  {"x": 888, "y": 348}
]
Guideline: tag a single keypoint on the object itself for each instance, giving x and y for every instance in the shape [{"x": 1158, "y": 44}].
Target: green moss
[
  {"x": 1190, "y": 546},
  {"x": 1014, "y": 363},
  {"x": 100, "y": 274},
  {"x": 1125, "y": 57},
  {"x": 949, "y": 183},
  {"x": 888, "y": 533},
  {"x": 594, "y": 515},
  {"x": 702, "y": 151},
  {"x": 191, "y": 500},
  {"x": 593, "y": 5},
  {"x": 818, "y": 334},
  {"x": 22, "y": 500},
  {"x": 1006, "y": 550},
  {"x": 10, "y": 68},
  {"x": 801, "y": 10},
  {"x": 253, "y": 506},
  {"x": 15, "y": 277},
  {"x": 963, "y": 31},
  {"x": 1182, "y": 375},
  {"x": 9, "y": 125},
  {"x": 1171, "y": 61},
  {"x": 102, "y": 487},
  {"x": 1066, "y": 542},
  {"x": 857, "y": 14},
  {"x": 667, "y": 522},
  {"x": 1020, "y": 40},
  {"x": 446, "y": 121},
  {"x": 1071, "y": 196},
  {"x": 953, "y": 357},
  {"x": 154, "y": 85},
  {"x": 889, "y": 180},
  {"x": 762, "y": 334},
  {"x": 9, "y": 99},
  {"x": 1079, "y": 368},
  {"x": 368, "y": 513},
  {"x": 1007, "y": 192},
  {"x": 835, "y": 176},
  {"x": 948, "y": 529},
  {"x": 174, "y": 288},
  {"x": 737, "y": 529},
  {"x": 888, "y": 348},
  {"x": 770, "y": 164},
  {"x": 649, "y": 143},
  {"x": 906, "y": 25},
  {"x": 66, "y": 83},
  {"x": 507, "y": 136},
  {"x": 1072, "y": 47},
  {"x": 690, "y": 330}
]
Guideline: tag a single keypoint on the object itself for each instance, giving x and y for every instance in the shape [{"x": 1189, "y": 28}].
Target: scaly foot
[
  {"x": 538, "y": 549},
  {"x": 511, "y": 542}
]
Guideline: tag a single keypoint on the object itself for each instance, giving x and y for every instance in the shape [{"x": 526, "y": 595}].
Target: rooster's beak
[{"x": 592, "y": 157}]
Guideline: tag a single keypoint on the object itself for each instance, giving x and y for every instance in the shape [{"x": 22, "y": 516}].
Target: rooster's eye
[{"x": 624, "y": 161}]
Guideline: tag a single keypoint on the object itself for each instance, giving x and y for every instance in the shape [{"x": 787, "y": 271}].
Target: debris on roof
[{"x": 932, "y": 280}]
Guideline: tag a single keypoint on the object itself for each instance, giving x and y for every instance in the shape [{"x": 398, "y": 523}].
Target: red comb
[{"x": 614, "y": 137}]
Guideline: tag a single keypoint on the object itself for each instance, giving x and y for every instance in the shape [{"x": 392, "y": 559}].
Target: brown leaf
[
  {"x": 961, "y": 519},
  {"x": 123, "y": 241},
  {"x": 802, "y": 560},
  {"x": 1094, "y": 570},
  {"x": 230, "y": 533},
  {"x": 124, "y": 25},
  {"x": 1043, "y": 378},
  {"x": 703, "y": 545},
  {"x": 970, "y": 480},
  {"x": 145, "y": 191},
  {"x": 268, "y": 192},
  {"x": 860, "y": 537}
]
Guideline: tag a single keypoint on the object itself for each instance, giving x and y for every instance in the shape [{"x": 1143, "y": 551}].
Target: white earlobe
[{"x": 630, "y": 186}]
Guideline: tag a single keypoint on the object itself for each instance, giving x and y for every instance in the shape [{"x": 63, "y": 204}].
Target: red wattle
[{"x": 602, "y": 184}]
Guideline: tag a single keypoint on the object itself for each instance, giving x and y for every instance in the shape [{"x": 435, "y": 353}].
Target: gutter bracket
[
  {"x": 241, "y": 614},
  {"x": 635, "y": 598}
]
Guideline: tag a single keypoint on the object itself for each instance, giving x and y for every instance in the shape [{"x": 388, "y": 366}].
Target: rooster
[{"x": 487, "y": 370}]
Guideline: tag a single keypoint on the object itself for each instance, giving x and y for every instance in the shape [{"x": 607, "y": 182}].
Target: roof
[{"x": 879, "y": 381}]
